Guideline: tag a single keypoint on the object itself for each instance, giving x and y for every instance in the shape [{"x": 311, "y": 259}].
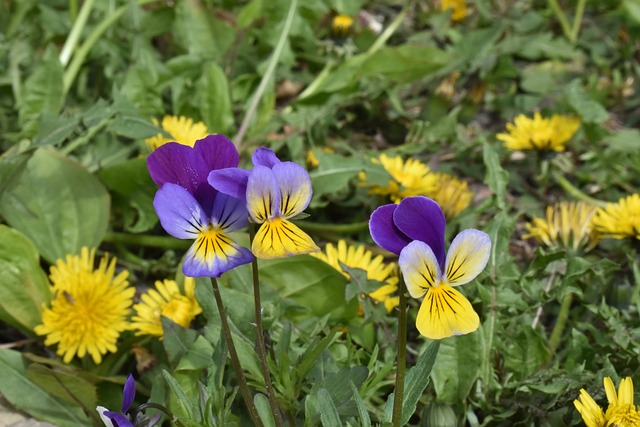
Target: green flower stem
[
  {"x": 81, "y": 54},
  {"x": 163, "y": 242},
  {"x": 73, "y": 10},
  {"x": 402, "y": 357},
  {"x": 562, "y": 18},
  {"x": 577, "y": 20},
  {"x": 275, "y": 409},
  {"x": 76, "y": 31},
  {"x": 235, "y": 361},
  {"x": 558, "y": 329},
  {"x": 266, "y": 78},
  {"x": 388, "y": 32},
  {"x": 569, "y": 188}
]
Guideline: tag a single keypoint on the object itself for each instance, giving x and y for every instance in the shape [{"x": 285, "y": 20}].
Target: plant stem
[
  {"x": 260, "y": 336},
  {"x": 547, "y": 288},
  {"x": 402, "y": 357},
  {"x": 388, "y": 32},
  {"x": 562, "y": 18},
  {"x": 251, "y": 111},
  {"x": 558, "y": 329},
  {"x": 577, "y": 20},
  {"x": 76, "y": 31},
  {"x": 163, "y": 242},
  {"x": 81, "y": 140},
  {"x": 569, "y": 188},
  {"x": 235, "y": 361}
]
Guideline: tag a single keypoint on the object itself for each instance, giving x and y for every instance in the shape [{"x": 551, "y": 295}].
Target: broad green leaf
[
  {"x": 197, "y": 357},
  {"x": 53, "y": 130},
  {"x": 590, "y": 110},
  {"x": 457, "y": 367},
  {"x": 42, "y": 92},
  {"x": 365, "y": 420},
  {"x": 337, "y": 383},
  {"x": 214, "y": 99},
  {"x": 417, "y": 380},
  {"x": 25, "y": 288},
  {"x": 264, "y": 410},
  {"x": 328, "y": 412},
  {"x": 311, "y": 283},
  {"x": 203, "y": 34},
  {"x": 58, "y": 204},
  {"x": 134, "y": 127},
  {"x": 65, "y": 385},
  {"x": 31, "y": 399},
  {"x": 334, "y": 173},
  {"x": 525, "y": 353},
  {"x": 12, "y": 163},
  {"x": 245, "y": 348},
  {"x": 404, "y": 63},
  {"x": 625, "y": 141},
  {"x": 177, "y": 341},
  {"x": 496, "y": 177},
  {"x": 188, "y": 408},
  {"x": 249, "y": 13}
]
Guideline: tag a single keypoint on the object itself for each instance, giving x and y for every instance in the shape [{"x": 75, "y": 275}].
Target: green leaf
[
  {"x": 25, "y": 288},
  {"x": 590, "y": 110},
  {"x": 58, "y": 204},
  {"x": 67, "y": 386},
  {"x": 249, "y": 13},
  {"x": 417, "y": 380},
  {"x": 496, "y": 177},
  {"x": 31, "y": 399},
  {"x": 311, "y": 283},
  {"x": 176, "y": 340},
  {"x": 12, "y": 163},
  {"x": 337, "y": 383},
  {"x": 334, "y": 173},
  {"x": 264, "y": 410},
  {"x": 187, "y": 407},
  {"x": 214, "y": 99},
  {"x": 328, "y": 412},
  {"x": 624, "y": 141},
  {"x": 54, "y": 130},
  {"x": 525, "y": 353},
  {"x": 42, "y": 92},
  {"x": 197, "y": 357},
  {"x": 365, "y": 420},
  {"x": 134, "y": 127},
  {"x": 457, "y": 367}
]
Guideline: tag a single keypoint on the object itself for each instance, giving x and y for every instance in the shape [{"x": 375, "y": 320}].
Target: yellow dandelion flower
[
  {"x": 90, "y": 307},
  {"x": 166, "y": 300},
  {"x": 567, "y": 225},
  {"x": 539, "y": 133},
  {"x": 359, "y": 257},
  {"x": 312, "y": 160},
  {"x": 182, "y": 130},
  {"x": 619, "y": 220},
  {"x": 341, "y": 25},
  {"x": 621, "y": 411},
  {"x": 459, "y": 9},
  {"x": 410, "y": 178},
  {"x": 453, "y": 195}
]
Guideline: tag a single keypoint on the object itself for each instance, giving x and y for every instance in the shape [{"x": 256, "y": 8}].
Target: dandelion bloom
[
  {"x": 189, "y": 208},
  {"x": 120, "y": 419},
  {"x": 452, "y": 194},
  {"x": 567, "y": 225},
  {"x": 621, "y": 411},
  {"x": 459, "y": 9},
  {"x": 410, "y": 178},
  {"x": 341, "y": 25},
  {"x": 414, "y": 229},
  {"x": 275, "y": 192},
  {"x": 619, "y": 220},
  {"x": 359, "y": 257},
  {"x": 539, "y": 133},
  {"x": 90, "y": 307},
  {"x": 182, "y": 130},
  {"x": 166, "y": 300}
]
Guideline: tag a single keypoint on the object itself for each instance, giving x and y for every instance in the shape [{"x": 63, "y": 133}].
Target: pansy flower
[
  {"x": 414, "y": 229},
  {"x": 275, "y": 192},
  {"x": 189, "y": 208},
  {"x": 120, "y": 419}
]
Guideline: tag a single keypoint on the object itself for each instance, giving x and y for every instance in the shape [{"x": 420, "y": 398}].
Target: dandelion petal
[
  {"x": 467, "y": 256},
  {"x": 446, "y": 312}
]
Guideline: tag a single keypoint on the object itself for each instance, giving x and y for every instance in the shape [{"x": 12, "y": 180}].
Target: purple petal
[
  {"x": 263, "y": 195},
  {"x": 179, "y": 212},
  {"x": 384, "y": 232},
  {"x": 421, "y": 218},
  {"x": 128, "y": 393},
  {"x": 210, "y": 257},
  {"x": 229, "y": 213},
  {"x": 231, "y": 181},
  {"x": 217, "y": 151},
  {"x": 295, "y": 188},
  {"x": 264, "y": 157},
  {"x": 118, "y": 420},
  {"x": 178, "y": 164}
]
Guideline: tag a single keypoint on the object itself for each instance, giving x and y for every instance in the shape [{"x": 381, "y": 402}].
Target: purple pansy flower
[
  {"x": 189, "y": 208},
  {"x": 414, "y": 229},
  {"x": 275, "y": 192},
  {"x": 120, "y": 419}
]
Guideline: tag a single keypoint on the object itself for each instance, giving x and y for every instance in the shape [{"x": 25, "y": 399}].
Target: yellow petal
[
  {"x": 446, "y": 312},
  {"x": 625, "y": 392},
  {"x": 280, "y": 238},
  {"x": 419, "y": 267},
  {"x": 610, "y": 390},
  {"x": 591, "y": 413},
  {"x": 467, "y": 256}
]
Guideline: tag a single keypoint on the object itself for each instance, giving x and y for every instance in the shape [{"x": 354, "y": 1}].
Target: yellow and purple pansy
[
  {"x": 275, "y": 192},
  {"x": 414, "y": 230},
  {"x": 189, "y": 208}
]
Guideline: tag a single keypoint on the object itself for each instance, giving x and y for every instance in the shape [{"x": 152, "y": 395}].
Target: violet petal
[
  {"x": 217, "y": 151},
  {"x": 295, "y": 188},
  {"x": 421, "y": 218},
  {"x": 209, "y": 258},
  {"x": 264, "y": 157},
  {"x": 178, "y": 164},
  {"x": 231, "y": 181},
  {"x": 229, "y": 213},
  {"x": 128, "y": 393},
  {"x": 384, "y": 232},
  {"x": 179, "y": 212},
  {"x": 263, "y": 195},
  {"x": 118, "y": 419}
]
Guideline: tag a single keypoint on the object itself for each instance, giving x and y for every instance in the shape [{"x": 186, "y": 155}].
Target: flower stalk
[
  {"x": 558, "y": 329},
  {"x": 235, "y": 361},
  {"x": 273, "y": 403},
  {"x": 402, "y": 357}
]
